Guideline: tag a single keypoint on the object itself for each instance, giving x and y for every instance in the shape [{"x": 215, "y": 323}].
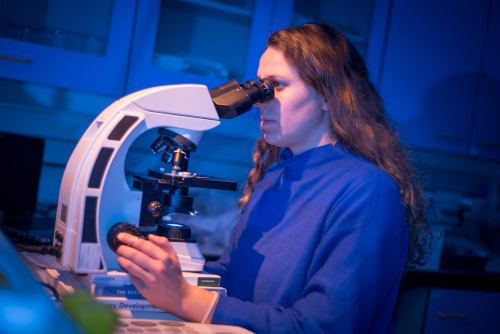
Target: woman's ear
[
  {"x": 326, "y": 107},
  {"x": 321, "y": 100}
]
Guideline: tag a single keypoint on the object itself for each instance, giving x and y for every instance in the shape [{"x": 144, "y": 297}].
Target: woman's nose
[{"x": 262, "y": 105}]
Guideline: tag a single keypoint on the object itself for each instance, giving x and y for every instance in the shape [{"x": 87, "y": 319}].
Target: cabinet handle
[
  {"x": 21, "y": 60},
  {"x": 488, "y": 143},
  {"x": 451, "y": 315},
  {"x": 449, "y": 137}
]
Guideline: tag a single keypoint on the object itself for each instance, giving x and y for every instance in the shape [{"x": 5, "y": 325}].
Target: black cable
[
  {"x": 49, "y": 249},
  {"x": 52, "y": 289}
]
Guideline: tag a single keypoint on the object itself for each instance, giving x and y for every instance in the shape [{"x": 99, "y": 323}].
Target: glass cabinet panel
[
  {"x": 209, "y": 38},
  {"x": 352, "y": 17},
  {"x": 58, "y": 23}
]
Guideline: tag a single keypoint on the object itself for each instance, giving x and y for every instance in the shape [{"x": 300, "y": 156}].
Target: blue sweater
[{"x": 320, "y": 247}]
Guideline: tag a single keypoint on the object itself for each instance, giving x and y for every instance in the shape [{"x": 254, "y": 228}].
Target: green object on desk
[{"x": 91, "y": 316}]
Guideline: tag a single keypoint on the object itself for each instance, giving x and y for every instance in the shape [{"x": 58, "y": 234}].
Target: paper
[
  {"x": 44, "y": 261},
  {"x": 43, "y": 275}
]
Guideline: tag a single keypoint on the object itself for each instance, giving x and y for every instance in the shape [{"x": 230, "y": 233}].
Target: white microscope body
[{"x": 94, "y": 193}]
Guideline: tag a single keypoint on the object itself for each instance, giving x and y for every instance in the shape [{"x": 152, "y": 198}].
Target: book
[
  {"x": 201, "y": 279},
  {"x": 66, "y": 283},
  {"x": 113, "y": 277},
  {"x": 122, "y": 278},
  {"x": 63, "y": 281},
  {"x": 118, "y": 297},
  {"x": 130, "y": 291},
  {"x": 126, "y": 304},
  {"x": 135, "y": 303}
]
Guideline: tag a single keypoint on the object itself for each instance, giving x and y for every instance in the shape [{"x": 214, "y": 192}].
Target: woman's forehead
[{"x": 274, "y": 65}]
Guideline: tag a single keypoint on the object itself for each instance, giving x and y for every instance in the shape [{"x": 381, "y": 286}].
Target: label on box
[{"x": 90, "y": 256}]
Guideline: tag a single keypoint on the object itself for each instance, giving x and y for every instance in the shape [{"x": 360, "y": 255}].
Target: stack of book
[{"x": 115, "y": 289}]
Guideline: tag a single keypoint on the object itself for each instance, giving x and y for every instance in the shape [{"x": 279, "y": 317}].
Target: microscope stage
[{"x": 196, "y": 181}]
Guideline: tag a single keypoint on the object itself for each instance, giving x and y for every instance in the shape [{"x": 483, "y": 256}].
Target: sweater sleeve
[
  {"x": 354, "y": 277},
  {"x": 221, "y": 266}
]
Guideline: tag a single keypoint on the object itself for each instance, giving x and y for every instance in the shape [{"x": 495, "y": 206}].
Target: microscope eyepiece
[
  {"x": 260, "y": 91},
  {"x": 231, "y": 99}
]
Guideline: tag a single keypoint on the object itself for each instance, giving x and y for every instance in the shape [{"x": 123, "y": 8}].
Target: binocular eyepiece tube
[{"x": 232, "y": 99}]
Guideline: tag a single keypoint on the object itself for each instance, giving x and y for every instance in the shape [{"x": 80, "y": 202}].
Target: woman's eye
[{"x": 277, "y": 84}]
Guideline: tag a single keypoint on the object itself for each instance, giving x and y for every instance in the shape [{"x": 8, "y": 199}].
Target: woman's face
[{"x": 295, "y": 118}]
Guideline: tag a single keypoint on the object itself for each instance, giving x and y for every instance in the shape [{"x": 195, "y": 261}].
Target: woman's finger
[
  {"x": 146, "y": 247},
  {"x": 136, "y": 256},
  {"x": 134, "y": 269},
  {"x": 163, "y": 243}
]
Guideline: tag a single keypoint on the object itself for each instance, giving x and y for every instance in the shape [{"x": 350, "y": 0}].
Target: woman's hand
[{"x": 154, "y": 269}]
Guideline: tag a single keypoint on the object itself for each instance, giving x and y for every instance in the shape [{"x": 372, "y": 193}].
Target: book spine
[
  {"x": 129, "y": 291},
  {"x": 125, "y": 280},
  {"x": 207, "y": 281},
  {"x": 123, "y": 304},
  {"x": 220, "y": 290},
  {"x": 109, "y": 280}
]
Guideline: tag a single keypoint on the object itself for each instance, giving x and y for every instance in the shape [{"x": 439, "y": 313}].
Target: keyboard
[{"x": 127, "y": 325}]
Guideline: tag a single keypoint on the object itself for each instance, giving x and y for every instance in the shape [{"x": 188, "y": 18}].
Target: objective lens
[
  {"x": 166, "y": 157},
  {"x": 158, "y": 145}
]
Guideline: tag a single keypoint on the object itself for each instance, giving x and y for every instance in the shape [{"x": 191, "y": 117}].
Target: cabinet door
[
  {"x": 197, "y": 41},
  {"x": 485, "y": 139},
  {"x": 431, "y": 70},
  {"x": 79, "y": 45},
  {"x": 462, "y": 311}
]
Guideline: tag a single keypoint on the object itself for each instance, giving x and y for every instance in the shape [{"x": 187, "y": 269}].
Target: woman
[{"x": 327, "y": 224}]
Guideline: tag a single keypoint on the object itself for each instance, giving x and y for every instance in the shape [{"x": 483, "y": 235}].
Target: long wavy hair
[{"x": 329, "y": 63}]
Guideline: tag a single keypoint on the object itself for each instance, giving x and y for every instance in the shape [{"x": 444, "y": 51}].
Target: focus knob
[
  {"x": 155, "y": 209},
  {"x": 173, "y": 231},
  {"x": 118, "y": 228}
]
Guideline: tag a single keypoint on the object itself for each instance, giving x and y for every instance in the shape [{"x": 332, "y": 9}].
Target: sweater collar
[{"x": 310, "y": 158}]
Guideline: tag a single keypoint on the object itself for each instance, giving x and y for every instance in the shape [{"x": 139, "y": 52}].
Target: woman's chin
[{"x": 272, "y": 139}]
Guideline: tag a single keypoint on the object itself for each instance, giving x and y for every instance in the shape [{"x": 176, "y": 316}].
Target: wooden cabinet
[
  {"x": 197, "y": 41},
  {"x": 462, "y": 311},
  {"x": 485, "y": 138},
  {"x": 431, "y": 305},
  {"x": 118, "y": 47},
  {"x": 431, "y": 69},
  {"x": 140, "y": 43},
  {"x": 76, "y": 45}
]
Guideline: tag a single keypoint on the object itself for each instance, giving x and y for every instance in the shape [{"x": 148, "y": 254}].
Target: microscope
[{"x": 96, "y": 203}]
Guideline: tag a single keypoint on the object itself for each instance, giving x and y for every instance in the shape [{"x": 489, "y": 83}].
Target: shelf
[{"x": 453, "y": 279}]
